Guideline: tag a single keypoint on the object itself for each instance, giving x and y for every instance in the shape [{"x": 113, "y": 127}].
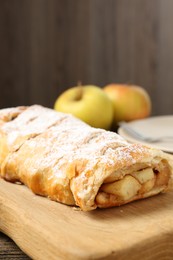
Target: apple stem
[
  {"x": 79, "y": 93},
  {"x": 79, "y": 83}
]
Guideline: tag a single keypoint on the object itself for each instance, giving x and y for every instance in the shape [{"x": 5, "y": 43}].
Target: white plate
[{"x": 152, "y": 127}]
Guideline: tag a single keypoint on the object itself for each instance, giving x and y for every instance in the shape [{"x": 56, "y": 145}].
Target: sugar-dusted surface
[{"x": 59, "y": 156}]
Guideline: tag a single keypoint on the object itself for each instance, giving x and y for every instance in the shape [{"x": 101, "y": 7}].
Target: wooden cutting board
[{"x": 44, "y": 229}]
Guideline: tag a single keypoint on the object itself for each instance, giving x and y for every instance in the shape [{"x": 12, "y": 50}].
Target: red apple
[{"x": 130, "y": 102}]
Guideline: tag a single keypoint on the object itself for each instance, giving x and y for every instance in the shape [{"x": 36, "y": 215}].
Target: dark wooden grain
[
  {"x": 9, "y": 250},
  {"x": 164, "y": 94},
  {"x": 48, "y": 46}
]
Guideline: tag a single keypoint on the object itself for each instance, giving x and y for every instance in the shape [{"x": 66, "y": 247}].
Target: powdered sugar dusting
[
  {"x": 48, "y": 143},
  {"x": 63, "y": 137}
]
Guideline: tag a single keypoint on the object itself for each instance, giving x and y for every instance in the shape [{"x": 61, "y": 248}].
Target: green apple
[
  {"x": 130, "y": 102},
  {"x": 88, "y": 103}
]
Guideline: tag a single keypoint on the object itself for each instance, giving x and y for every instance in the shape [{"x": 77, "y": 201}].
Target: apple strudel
[{"x": 60, "y": 157}]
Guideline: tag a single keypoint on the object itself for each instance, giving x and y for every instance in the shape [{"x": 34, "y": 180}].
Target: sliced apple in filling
[
  {"x": 125, "y": 189},
  {"x": 144, "y": 175},
  {"x": 147, "y": 186},
  {"x": 133, "y": 186}
]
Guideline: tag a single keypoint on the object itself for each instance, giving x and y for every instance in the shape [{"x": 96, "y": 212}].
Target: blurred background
[{"x": 47, "y": 46}]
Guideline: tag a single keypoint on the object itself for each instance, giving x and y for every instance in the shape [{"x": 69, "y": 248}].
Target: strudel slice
[{"x": 60, "y": 157}]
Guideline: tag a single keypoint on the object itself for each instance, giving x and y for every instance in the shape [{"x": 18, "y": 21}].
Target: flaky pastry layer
[{"x": 61, "y": 157}]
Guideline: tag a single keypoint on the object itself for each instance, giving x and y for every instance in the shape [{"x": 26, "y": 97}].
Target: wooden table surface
[
  {"x": 159, "y": 208},
  {"x": 144, "y": 227},
  {"x": 9, "y": 250}
]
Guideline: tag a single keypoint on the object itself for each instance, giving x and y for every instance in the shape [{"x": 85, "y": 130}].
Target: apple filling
[{"x": 136, "y": 185}]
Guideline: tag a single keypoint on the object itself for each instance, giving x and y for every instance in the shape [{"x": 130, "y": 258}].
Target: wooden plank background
[{"x": 47, "y": 46}]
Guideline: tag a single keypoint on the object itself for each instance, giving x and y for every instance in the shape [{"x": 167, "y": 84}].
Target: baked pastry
[{"x": 60, "y": 157}]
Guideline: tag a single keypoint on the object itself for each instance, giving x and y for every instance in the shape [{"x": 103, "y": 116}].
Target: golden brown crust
[
  {"x": 58, "y": 156},
  {"x": 8, "y": 114}
]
